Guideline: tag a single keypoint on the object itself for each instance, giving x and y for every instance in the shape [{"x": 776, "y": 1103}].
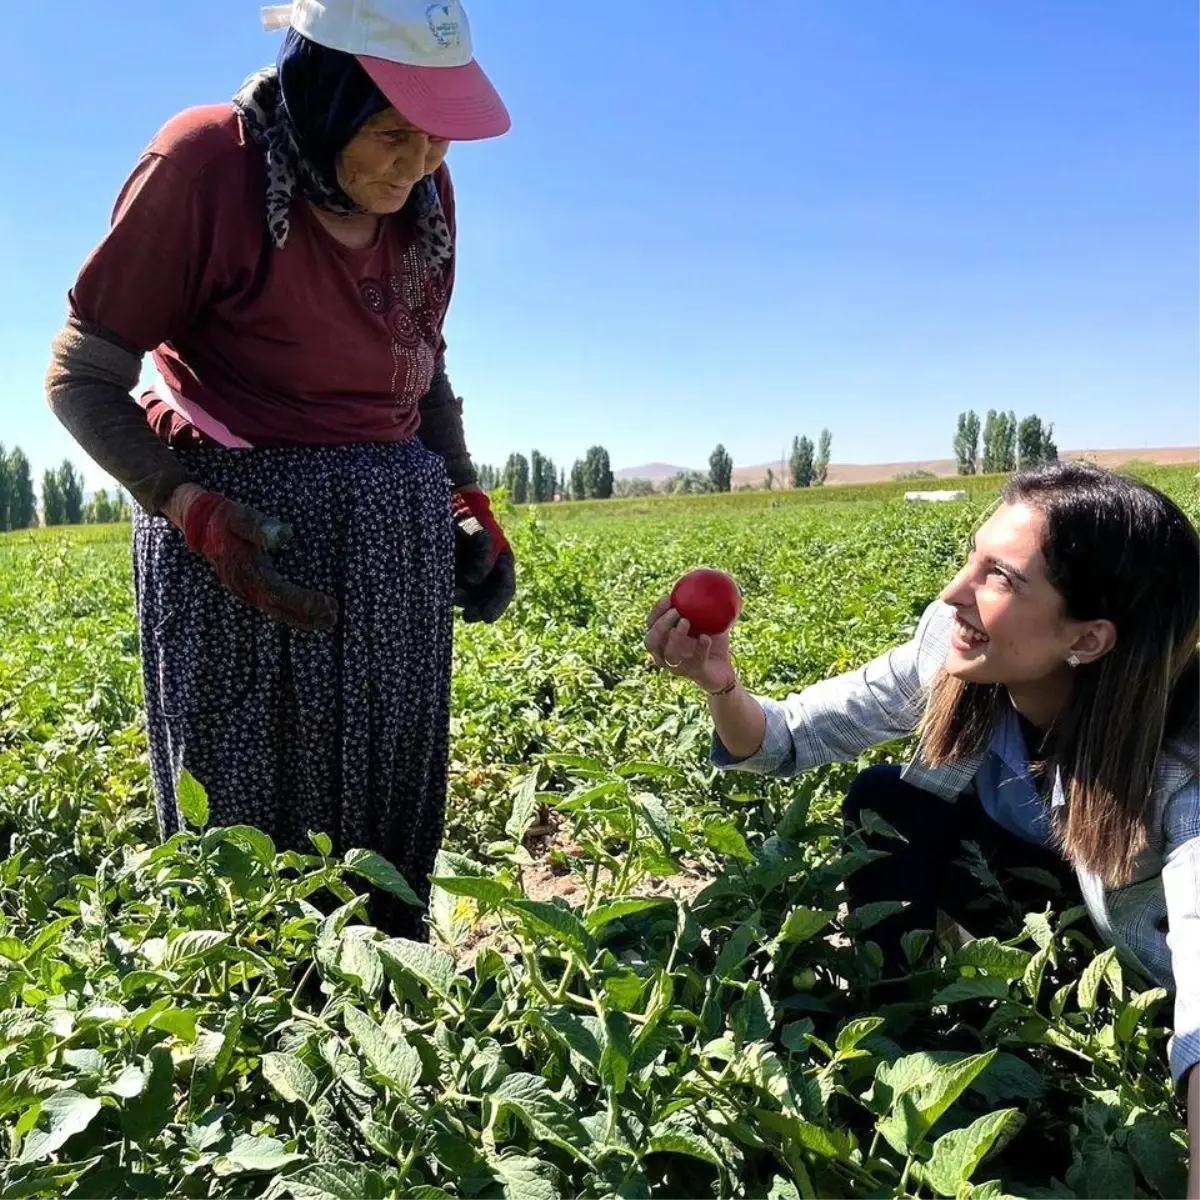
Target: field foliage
[{"x": 643, "y": 980}]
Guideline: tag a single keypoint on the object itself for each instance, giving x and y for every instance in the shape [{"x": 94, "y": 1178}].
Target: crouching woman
[{"x": 1054, "y": 684}]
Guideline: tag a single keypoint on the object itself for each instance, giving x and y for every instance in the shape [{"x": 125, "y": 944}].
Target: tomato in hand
[{"x": 709, "y": 599}]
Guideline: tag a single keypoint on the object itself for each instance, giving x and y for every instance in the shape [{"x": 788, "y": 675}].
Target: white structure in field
[{"x": 936, "y": 497}]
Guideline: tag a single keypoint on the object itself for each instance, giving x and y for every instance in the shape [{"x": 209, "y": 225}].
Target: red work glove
[
  {"x": 237, "y": 541},
  {"x": 484, "y": 571}
]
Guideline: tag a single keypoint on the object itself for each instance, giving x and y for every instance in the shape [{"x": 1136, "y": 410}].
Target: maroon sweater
[{"x": 314, "y": 343}]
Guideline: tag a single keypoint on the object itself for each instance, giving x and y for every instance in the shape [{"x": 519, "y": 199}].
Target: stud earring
[{"x": 1072, "y": 660}]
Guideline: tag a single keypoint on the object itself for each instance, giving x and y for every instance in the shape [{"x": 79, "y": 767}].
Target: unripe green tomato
[{"x": 804, "y": 980}]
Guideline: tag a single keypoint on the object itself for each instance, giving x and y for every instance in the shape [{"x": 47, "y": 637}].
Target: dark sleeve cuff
[{"x": 441, "y": 429}]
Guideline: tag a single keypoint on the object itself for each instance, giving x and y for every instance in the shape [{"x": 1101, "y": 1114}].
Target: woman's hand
[
  {"x": 704, "y": 660},
  {"x": 237, "y": 541},
  {"x": 484, "y": 571}
]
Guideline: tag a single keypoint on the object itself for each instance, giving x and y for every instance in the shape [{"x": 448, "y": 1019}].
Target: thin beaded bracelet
[{"x": 726, "y": 689}]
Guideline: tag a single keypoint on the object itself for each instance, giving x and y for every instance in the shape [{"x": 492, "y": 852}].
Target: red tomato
[{"x": 709, "y": 599}]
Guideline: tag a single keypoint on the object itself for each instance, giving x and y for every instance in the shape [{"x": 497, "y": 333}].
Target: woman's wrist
[
  {"x": 177, "y": 504},
  {"x": 725, "y": 690}
]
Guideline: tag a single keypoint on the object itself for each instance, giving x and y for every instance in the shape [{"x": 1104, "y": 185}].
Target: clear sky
[{"x": 718, "y": 221}]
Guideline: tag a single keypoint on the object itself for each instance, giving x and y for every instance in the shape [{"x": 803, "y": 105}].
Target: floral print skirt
[{"x": 344, "y": 733}]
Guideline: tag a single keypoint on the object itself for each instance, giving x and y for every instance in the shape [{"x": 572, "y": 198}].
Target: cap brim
[{"x": 456, "y": 103}]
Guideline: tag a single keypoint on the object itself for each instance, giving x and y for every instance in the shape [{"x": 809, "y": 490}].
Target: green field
[{"x": 642, "y": 981}]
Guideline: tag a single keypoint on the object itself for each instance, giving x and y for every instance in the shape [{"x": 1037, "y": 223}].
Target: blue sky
[{"x": 719, "y": 222}]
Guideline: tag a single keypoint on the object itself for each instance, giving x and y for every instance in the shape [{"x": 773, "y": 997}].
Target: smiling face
[
  {"x": 384, "y": 160},
  {"x": 1010, "y": 623}
]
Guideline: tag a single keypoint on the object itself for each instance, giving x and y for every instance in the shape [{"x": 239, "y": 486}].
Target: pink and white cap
[{"x": 418, "y": 54}]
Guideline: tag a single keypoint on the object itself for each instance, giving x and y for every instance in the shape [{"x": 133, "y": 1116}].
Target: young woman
[
  {"x": 1055, "y": 687},
  {"x": 287, "y": 258}
]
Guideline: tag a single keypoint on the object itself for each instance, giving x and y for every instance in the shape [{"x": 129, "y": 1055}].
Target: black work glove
[{"x": 484, "y": 571}]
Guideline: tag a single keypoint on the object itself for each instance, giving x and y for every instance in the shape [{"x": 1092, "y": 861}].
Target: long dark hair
[{"x": 1117, "y": 550}]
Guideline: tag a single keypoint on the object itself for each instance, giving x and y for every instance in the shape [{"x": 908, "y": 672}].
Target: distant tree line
[
  {"x": 533, "y": 480},
  {"x": 809, "y": 464},
  {"x": 18, "y": 506},
  {"x": 536, "y": 480},
  {"x": 62, "y": 496},
  {"x": 1007, "y": 444}
]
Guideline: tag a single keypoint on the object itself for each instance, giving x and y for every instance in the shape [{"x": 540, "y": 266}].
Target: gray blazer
[{"x": 1154, "y": 922}]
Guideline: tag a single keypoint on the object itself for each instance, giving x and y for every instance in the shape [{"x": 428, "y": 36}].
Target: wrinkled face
[
  {"x": 1010, "y": 626},
  {"x": 383, "y": 161}
]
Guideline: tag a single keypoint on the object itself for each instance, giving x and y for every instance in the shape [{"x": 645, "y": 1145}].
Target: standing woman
[
  {"x": 1056, "y": 687},
  {"x": 307, "y": 509}
]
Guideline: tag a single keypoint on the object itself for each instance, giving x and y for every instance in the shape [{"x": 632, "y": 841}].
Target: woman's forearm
[
  {"x": 87, "y": 387},
  {"x": 739, "y": 721}
]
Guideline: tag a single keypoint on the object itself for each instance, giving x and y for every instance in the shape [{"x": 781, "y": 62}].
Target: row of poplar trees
[
  {"x": 1007, "y": 444},
  {"x": 536, "y": 480},
  {"x": 62, "y": 496}
]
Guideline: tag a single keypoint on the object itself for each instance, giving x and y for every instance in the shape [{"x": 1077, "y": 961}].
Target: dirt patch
[{"x": 550, "y": 879}]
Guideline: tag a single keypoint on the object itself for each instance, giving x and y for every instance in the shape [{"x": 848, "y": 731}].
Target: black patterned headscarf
[{"x": 301, "y": 113}]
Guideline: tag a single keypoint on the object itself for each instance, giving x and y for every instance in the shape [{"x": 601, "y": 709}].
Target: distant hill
[
  {"x": 655, "y": 471},
  {"x": 942, "y": 467},
  {"x": 882, "y": 472}
]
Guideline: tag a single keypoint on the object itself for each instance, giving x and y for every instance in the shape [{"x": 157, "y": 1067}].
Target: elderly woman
[{"x": 308, "y": 512}]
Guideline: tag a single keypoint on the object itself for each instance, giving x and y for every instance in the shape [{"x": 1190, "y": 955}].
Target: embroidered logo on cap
[{"x": 445, "y": 28}]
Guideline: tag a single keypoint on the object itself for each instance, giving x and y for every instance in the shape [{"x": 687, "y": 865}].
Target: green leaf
[
  {"x": 257, "y": 844},
  {"x": 578, "y": 1032},
  {"x": 616, "y": 1050},
  {"x": 624, "y": 990},
  {"x": 1158, "y": 1149},
  {"x": 289, "y": 1076},
  {"x": 982, "y": 987},
  {"x": 1089, "y": 980},
  {"x": 336, "y": 1181},
  {"x": 212, "y": 1058},
  {"x": 913, "y": 943},
  {"x": 802, "y": 923},
  {"x": 854, "y": 1031},
  {"x": 1134, "y": 1011},
  {"x": 1107, "y": 1173},
  {"x": 874, "y": 824},
  {"x": 958, "y": 1154},
  {"x": 1031, "y": 980},
  {"x": 753, "y": 1016},
  {"x": 682, "y": 1141},
  {"x": 430, "y": 967},
  {"x": 723, "y": 835},
  {"x": 549, "y": 1119},
  {"x": 988, "y": 954},
  {"x": 524, "y": 1178},
  {"x": 918, "y": 1106},
  {"x": 193, "y": 949},
  {"x": 555, "y": 922},
  {"x": 128, "y": 1083},
  {"x": 1010, "y": 1078},
  {"x": 146, "y": 1114},
  {"x": 654, "y": 813},
  {"x": 192, "y": 799},
  {"x": 868, "y": 915},
  {"x": 487, "y": 891},
  {"x": 254, "y": 1155},
  {"x": 59, "y": 1118},
  {"x": 357, "y": 959},
  {"x": 50, "y": 934},
  {"x": 376, "y": 869},
  {"x": 321, "y": 842},
  {"x": 525, "y": 808},
  {"x": 392, "y": 1058},
  {"x": 626, "y": 906},
  {"x": 829, "y": 1143}
]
